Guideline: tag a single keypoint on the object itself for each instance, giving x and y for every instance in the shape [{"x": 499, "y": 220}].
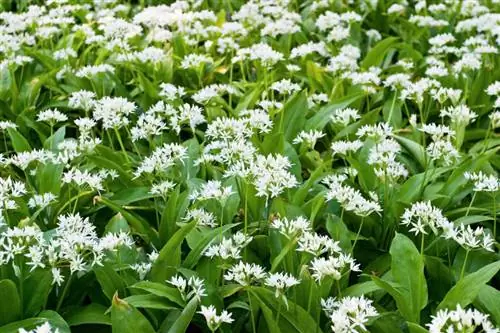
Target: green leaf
[
  {"x": 284, "y": 251},
  {"x": 149, "y": 302},
  {"x": 10, "y": 306},
  {"x": 55, "y": 139},
  {"x": 161, "y": 290},
  {"x": 18, "y": 141},
  {"x": 210, "y": 236},
  {"x": 28, "y": 324},
  {"x": 361, "y": 289},
  {"x": 109, "y": 280},
  {"x": 377, "y": 53},
  {"x": 322, "y": 117},
  {"x": 182, "y": 322},
  {"x": 38, "y": 287},
  {"x": 467, "y": 288},
  {"x": 90, "y": 314},
  {"x": 167, "y": 257},
  {"x": 488, "y": 300},
  {"x": 272, "y": 325},
  {"x": 127, "y": 319},
  {"x": 141, "y": 226},
  {"x": 56, "y": 321},
  {"x": 415, "y": 328},
  {"x": 416, "y": 150},
  {"x": 407, "y": 267},
  {"x": 295, "y": 319},
  {"x": 294, "y": 116}
]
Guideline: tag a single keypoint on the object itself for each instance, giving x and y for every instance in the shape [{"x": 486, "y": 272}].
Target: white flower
[
  {"x": 82, "y": 99},
  {"x": 483, "y": 182},
  {"x": 422, "y": 216},
  {"x": 285, "y": 87},
  {"x": 52, "y": 116},
  {"x": 90, "y": 71},
  {"x": 291, "y": 228},
  {"x": 461, "y": 320},
  {"x": 202, "y": 217},
  {"x": 316, "y": 244},
  {"x": 162, "y": 188},
  {"x": 212, "y": 189},
  {"x": 113, "y": 111},
  {"x": 171, "y": 92},
  {"x": 193, "y": 287},
  {"x": 245, "y": 274},
  {"x": 281, "y": 282},
  {"x": 459, "y": 114},
  {"x": 271, "y": 176},
  {"x": 342, "y": 147},
  {"x": 41, "y": 200},
  {"x": 349, "y": 314},
  {"x": 214, "y": 320},
  {"x": 333, "y": 266},
  {"x": 229, "y": 248},
  {"x": 472, "y": 239},
  {"x": 195, "y": 60},
  {"x": 309, "y": 137},
  {"x": 44, "y": 328},
  {"x": 162, "y": 159}
]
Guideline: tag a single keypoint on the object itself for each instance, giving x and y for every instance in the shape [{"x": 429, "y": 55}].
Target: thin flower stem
[
  {"x": 118, "y": 136},
  {"x": 470, "y": 205},
  {"x": 357, "y": 235},
  {"x": 422, "y": 241},
  {"x": 494, "y": 217},
  {"x": 251, "y": 312},
  {"x": 65, "y": 291},
  {"x": 464, "y": 264}
]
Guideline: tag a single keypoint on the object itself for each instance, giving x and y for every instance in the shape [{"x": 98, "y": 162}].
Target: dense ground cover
[{"x": 258, "y": 166}]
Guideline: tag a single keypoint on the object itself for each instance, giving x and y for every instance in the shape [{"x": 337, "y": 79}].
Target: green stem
[
  {"x": 65, "y": 291},
  {"x": 495, "y": 217},
  {"x": 251, "y": 312},
  {"x": 464, "y": 264},
  {"x": 357, "y": 235},
  {"x": 470, "y": 205},
  {"x": 118, "y": 136},
  {"x": 392, "y": 107},
  {"x": 422, "y": 241}
]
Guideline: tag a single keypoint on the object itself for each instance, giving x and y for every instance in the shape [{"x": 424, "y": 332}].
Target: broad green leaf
[
  {"x": 415, "y": 328},
  {"x": 322, "y": 117},
  {"x": 488, "y": 300},
  {"x": 169, "y": 255},
  {"x": 377, "y": 53},
  {"x": 415, "y": 149},
  {"x": 141, "y": 227},
  {"x": 28, "y": 324},
  {"x": 210, "y": 236},
  {"x": 10, "y": 306},
  {"x": 407, "y": 267},
  {"x": 110, "y": 281},
  {"x": 361, "y": 289},
  {"x": 149, "y": 302},
  {"x": 467, "y": 288},
  {"x": 18, "y": 141},
  {"x": 127, "y": 319},
  {"x": 182, "y": 322},
  {"x": 38, "y": 287},
  {"x": 272, "y": 325},
  {"x": 295, "y": 319},
  {"x": 56, "y": 321},
  {"x": 93, "y": 313},
  {"x": 161, "y": 290}
]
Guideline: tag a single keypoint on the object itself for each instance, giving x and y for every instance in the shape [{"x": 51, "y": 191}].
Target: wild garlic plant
[{"x": 249, "y": 166}]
